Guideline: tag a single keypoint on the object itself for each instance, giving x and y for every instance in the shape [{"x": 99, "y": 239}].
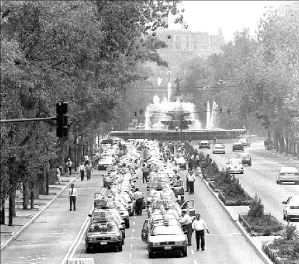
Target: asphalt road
[
  {"x": 49, "y": 238},
  {"x": 260, "y": 178},
  {"x": 224, "y": 244}
]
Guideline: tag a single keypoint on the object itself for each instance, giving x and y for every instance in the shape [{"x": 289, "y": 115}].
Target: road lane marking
[
  {"x": 195, "y": 261},
  {"x": 130, "y": 256},
  {"x": 76, "y": 242},
  {"x": 133, "y": 230},
  {"x": 133, "y": 223},
  {"x": 131, "y": 245},
  {"x": 192, "y": 251}
]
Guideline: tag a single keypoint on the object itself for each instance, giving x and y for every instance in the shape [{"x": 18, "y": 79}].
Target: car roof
[
  {"x": 288, "y": 170},
  {"x": 204, "y": 141}
]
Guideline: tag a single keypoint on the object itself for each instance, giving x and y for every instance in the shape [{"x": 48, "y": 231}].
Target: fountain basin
[{"x": 163, "y": 135}]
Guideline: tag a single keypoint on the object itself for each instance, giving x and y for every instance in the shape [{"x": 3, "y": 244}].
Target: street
[
  {"x": 260, "y": 178},
  {"x": 224, "y": 244}
]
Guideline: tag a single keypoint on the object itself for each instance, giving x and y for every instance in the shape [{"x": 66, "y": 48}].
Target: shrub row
[{"x": 284, "y": 250}]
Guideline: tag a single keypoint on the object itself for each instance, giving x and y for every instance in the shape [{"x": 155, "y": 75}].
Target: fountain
[{"x": 174, "y": 119}]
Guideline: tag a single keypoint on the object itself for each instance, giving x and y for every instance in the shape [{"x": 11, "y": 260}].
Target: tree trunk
[
  {"x": 32, "y": 198},
  {"x": 13, "y": 195},
  {"x": 2, "y": 213},
  {"x": 25, "y": 195},
  {"x": 10, "y": 210}
]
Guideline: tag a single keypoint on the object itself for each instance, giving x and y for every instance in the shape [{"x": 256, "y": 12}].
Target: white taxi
[{"x": 167, "y": 238}]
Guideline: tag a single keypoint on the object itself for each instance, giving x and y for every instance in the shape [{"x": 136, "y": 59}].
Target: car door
[
  {"x": 144, "y": 231},
  {"x": 286, "y": 205}
]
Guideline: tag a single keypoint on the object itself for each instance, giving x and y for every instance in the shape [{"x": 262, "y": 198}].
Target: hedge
[{"x": 266, "y": 225}]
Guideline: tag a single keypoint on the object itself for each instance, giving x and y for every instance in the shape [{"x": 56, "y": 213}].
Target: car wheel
[
  {"x": 288, "y": 218},
  {"x": 123, "y": 242},
  {"x": 284, "y": 217},
  {"x": 120, "y": 248},
  {"x": 185, "y": 252},
  {"x": 278, "y": 182},
  {"x": 128, "y": 225},
  {"x": 249, "y": 164},
  {"x": 150, "y": 254},
  {"x": 88, "y": 248}
]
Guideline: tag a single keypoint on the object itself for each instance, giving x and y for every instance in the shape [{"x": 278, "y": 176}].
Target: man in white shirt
[
  {"x": 191, "y": 179},
  {"x": 199, "y": 225},
  {"x": 73, "y": 197},
  {"x": 186, "y": 223}
]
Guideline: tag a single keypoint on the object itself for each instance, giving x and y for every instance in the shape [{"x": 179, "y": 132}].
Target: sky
[{"x": 230, "y": 16}]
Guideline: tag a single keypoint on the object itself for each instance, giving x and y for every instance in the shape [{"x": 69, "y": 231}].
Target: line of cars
[
  {"x": 112, "y": 208},
  {"x": 162, "y": 230}
]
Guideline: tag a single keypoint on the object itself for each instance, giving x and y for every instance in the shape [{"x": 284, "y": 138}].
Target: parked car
[
  {"x": 291, "y": 208},
  {"x": 288, "y": 174},
  {"x": 218, "y": 148},
  {"x": 235, "y": 166},
  {"x": 103, "y": 234},
  {"x": 246, "y": 158},
  {"x": 167, "y": 238},
  {"x": 238, "y": 146},
  {"x": 204, "y": 144}
]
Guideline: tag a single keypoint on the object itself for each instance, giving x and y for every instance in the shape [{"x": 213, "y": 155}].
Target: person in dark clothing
[{"x": 145, "y": 173}]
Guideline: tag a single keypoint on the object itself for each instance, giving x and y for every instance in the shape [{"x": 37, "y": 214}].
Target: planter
[
  {"x": 271, "y": 254},
  {"x": 233, "y": 201},
  {"x": 268, "y": 227}
]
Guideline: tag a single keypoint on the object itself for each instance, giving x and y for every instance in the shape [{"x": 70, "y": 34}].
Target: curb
[
  {"x": 259, "y": 251},
  {"x": 11, "y": 239}
]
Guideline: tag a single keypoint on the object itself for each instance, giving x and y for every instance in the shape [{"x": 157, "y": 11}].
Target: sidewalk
[
  {"x": 48, "y": 238},
  {"x": 258, "y": 149},
  {"x": 25, "y": 217}
]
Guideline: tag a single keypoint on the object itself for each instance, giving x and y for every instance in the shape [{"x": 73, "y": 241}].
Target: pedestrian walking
[
  {"x": 88, "y": 169},
  {"x": 73, "y": 197},
  {"x": 145, "y": 172},
  {"x": 186, "y": 223},
  {"x": 138, "y": 197},
  {"x": 69, "y": 164},
  {"x": 191, "y": 180},
  {"x": 183, "y": 175},
  {"x": 82, "y": 170},
  {"x": 58, "y": 175},
  {"x": 199, "y": 225}
]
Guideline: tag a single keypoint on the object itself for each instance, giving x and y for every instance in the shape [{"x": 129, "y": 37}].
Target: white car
[
  {"x": 235, "y": 166},
  {"x": 218, "y": 148},
  {"x": 288, "y": 174},
  {"x": 167, "y": 238},
  {"x": 291, "y": 208}
]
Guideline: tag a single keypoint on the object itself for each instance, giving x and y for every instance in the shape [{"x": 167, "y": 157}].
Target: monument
[{"x": 174, "y": 119}]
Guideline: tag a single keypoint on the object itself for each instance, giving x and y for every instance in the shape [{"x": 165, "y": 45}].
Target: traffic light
[{"x": 61, "y": 120}]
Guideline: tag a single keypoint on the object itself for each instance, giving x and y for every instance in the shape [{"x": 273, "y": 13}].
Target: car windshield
[
  {"x": 167, "y": 230},
  {"x": 102, "y": 227},
  {"x": 218, "y": 146}
]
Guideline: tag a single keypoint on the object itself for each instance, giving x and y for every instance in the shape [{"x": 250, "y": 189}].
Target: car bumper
[
  {"x": 103, "y": 243},
  {"x": 236, "y": 171},
  {"x": 218, "y": 152},
  {"x": 166, "y": 248},
  {"x": 293, "y": 179}
]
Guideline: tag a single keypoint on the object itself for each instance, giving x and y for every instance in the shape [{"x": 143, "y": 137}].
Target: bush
[
  {"x": 256, "y": 208},
  {"x": 266, "y": 225},
  {"x": 287, "y": 247}
]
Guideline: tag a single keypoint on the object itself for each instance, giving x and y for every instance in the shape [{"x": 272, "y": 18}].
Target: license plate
[
  {"x": 103, "y": 242},
  {"x": 167, "y": 247}
]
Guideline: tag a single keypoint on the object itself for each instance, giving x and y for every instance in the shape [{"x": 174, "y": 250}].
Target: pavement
[
  {"x": 45, "y": 234},
  {"x": 24, "y": 217}
]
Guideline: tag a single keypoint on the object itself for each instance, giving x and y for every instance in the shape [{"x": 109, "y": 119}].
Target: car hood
[{"x": 166, "y": 238}]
